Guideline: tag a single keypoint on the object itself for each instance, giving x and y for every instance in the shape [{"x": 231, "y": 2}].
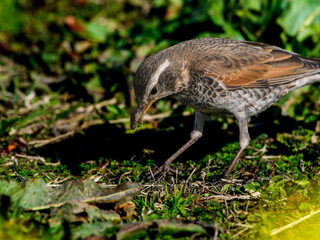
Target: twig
[
  {"x": 153, "y": 185},
  {"x": 56, "y": 181},
  {"x": 129, "y": 179},
  {"x": 276, "y": 231},
  {"x": 263, "y": 157},
  {"x": 172, "y": 179},
  {"x": 204, "y": 173},
  {"x": 228, "y": 198},
  {"x": 45, "y": 175},
  {"x": 216, "y": 233},
  {"x": 100, "y": 105},
  {"x": 240, "y": 225},
  {"x": 124, "y": 174},
  {"x": 36, "y": 158},
  {"x": 247, "y": 206},
  {"x": 232, "y": 181},
  {"x": 41, "y": 143},
  {"x": 243, "y": 230},
  {"x": 109, "y": 171},
  {"x": 152, "y": 174},
  {"x": 188, "y": 179},
  {"x": 177, "y": 171},
  {"x": 225, "y": 202}
]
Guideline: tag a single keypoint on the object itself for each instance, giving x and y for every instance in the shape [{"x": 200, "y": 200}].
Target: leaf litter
[{"x": 179, "y": 204}]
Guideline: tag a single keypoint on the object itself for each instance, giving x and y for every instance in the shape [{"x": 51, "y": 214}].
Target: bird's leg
[
  {"x": 244, "y": 142},
  {"x": 194, "y": 136}
]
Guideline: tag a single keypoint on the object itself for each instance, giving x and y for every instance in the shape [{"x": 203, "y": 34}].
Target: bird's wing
[{"x": 249, "y": 64}]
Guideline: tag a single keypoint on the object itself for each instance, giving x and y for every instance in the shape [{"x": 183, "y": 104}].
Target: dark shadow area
[{"x": 110, "y": 141}]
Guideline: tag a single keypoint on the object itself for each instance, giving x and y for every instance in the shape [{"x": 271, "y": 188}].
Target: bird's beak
[
  {"x": 137, "y": 115},
  {"x": 145, "y": 109}
]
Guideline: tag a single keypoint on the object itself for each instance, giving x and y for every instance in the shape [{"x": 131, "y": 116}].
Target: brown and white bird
[{"x": 214, "y": 75}]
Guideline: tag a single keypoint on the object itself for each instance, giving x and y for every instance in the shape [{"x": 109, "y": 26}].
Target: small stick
[
  {"x": 240, "y": 232},
  {"x": 206, "y": 170},
  {"x": 41, "y": 143},
  {"x": 152, "y": 174},
  {"x": 188, "y": 179},
  {"x": 276, "y": 231},
  {"x": 41, "y": 159},
  {"x": 227, "y": 198}
]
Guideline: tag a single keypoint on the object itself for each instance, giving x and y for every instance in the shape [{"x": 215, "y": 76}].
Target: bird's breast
[
  {"x": 205, "y": 95},
  {"x": 211, "y": 96}
]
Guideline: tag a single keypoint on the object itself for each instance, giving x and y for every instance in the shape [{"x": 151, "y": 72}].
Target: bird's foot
[{"x": 163, "y": 170}]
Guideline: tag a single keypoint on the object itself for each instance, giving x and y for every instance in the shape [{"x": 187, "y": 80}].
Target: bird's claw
[{"x": 164, "y": 169}]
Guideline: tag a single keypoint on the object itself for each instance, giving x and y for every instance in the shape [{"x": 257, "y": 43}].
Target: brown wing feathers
[{"x": 274, "y": 66}]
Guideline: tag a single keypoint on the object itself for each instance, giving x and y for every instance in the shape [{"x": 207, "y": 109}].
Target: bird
[{"x": 219, "y": 75}]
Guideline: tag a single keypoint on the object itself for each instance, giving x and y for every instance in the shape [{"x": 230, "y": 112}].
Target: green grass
[{"x": 273, "y": 191}]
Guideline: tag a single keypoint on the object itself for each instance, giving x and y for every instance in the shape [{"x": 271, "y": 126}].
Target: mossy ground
[{"x": 276, "y": 183}]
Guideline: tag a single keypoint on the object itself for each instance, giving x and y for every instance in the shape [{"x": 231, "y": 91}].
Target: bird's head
[{"x": 157, "y": 77}]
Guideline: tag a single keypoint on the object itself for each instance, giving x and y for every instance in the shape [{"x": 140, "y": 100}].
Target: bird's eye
[{"x": 154, "y": 91}]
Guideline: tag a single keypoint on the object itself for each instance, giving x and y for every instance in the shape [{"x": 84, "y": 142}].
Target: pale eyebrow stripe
[{"x": 156, "y": 75}]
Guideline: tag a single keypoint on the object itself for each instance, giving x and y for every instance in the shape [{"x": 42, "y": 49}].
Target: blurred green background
[{"x": 91, "y": 49}]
